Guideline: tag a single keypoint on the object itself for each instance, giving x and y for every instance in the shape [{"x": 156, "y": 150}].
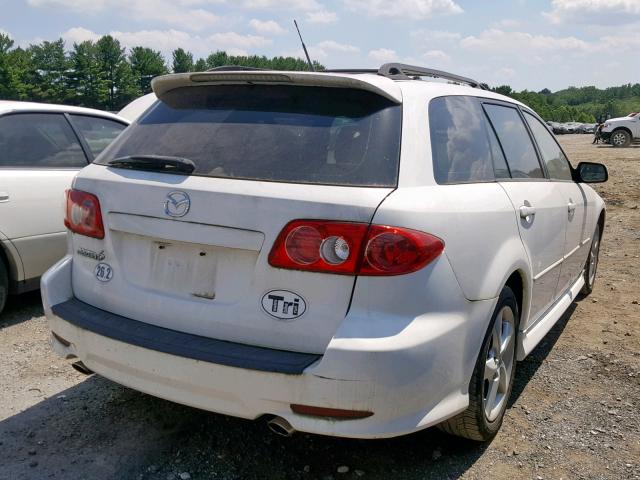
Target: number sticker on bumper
[{"x": 103, "y": 272}]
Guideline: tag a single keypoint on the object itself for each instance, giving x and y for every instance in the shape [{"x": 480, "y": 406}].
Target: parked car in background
[
  {"x": 276, "y": 244},
  {"x": 42, "y": 147},
  {"x": 621, "y": 131}
]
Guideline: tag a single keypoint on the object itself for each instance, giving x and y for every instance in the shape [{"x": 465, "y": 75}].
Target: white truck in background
[{"x": 622, "y": 131}]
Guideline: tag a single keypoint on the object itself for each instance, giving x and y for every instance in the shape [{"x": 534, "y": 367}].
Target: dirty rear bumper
[{"x": 410, "y": 379}]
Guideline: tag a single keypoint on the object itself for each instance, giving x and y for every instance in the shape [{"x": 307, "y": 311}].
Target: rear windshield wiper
[{"x": 156, "y": 163}]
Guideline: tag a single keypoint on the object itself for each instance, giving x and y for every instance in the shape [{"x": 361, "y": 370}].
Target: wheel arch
[
  {"x": 11, "y": 258},
  {"x": 626, "y": 129}
]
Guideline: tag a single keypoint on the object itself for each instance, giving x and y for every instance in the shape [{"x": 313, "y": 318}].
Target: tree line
[
  {"x": 584, "y": 104},
  {"x": 103, "y": 74}
]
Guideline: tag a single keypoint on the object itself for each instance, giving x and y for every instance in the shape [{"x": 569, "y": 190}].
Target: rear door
[
  {"x": 39, "y": 156},
  {"x": 190, "y": 252},
  {"x": 575, "y": 246},
  {"x": 539, "y": 207}
]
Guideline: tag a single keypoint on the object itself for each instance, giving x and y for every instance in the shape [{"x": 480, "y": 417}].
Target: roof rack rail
[
  {"x": 401, "y": 71},
  {"x": 349, "y": 70}
]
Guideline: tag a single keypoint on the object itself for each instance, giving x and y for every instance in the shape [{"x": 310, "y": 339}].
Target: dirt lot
[{"x": 575, "y": 411}]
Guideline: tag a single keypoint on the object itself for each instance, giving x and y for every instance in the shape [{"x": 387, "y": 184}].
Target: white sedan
[{"x": 42, "y": 147}]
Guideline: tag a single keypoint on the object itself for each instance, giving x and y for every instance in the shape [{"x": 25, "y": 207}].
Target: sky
[{"x": 532, "y": 44}]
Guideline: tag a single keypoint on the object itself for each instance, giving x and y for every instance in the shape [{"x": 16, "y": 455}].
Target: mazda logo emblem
[{"x": 177, "y": 204}]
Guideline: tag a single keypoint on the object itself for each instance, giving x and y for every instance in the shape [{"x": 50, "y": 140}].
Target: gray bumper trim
[{"x": 182, "y": 344}]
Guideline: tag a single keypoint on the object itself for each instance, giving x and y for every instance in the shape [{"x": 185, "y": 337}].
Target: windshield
[{"x": 276, "y": 133}]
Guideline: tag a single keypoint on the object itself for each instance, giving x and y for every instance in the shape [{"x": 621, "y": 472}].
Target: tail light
[
  {"x": 353, "y": 248},
  {"x": 83, "y": 214}
]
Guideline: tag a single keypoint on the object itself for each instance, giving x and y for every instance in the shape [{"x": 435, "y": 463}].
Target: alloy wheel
[{"x": 499, "y": 364}]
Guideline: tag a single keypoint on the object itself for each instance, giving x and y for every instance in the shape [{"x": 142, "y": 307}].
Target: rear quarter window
[{"x": 460, "y": 144}]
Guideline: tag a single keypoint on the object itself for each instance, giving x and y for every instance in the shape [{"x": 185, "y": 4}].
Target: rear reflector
[
  {"x": 334, "y": 413},
  {"x": 353, "y": 248},
  {"x": 82, "y": 214}
]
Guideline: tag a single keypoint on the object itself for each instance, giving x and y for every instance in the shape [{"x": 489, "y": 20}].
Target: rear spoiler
[{"x": 379, "y": 85}]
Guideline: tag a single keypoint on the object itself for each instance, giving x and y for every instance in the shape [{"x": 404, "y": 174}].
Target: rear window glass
[
  {"x": 276, "y": 133},
  {"x": 459, "y": 141}
]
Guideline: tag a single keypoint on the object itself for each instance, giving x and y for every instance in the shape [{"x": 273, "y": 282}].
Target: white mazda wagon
[{"x": 350, "y": 253}]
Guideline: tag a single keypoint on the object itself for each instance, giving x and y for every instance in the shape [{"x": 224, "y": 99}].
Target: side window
[
  {"x": 459, "y": 142},
  {"x": 499, "y": 162},
  {"x": 39, "y": 140},
  {"x": 98, "y": 132},
  {"x": 557, "y": 163},
  {"x": 516, "y": 143}
]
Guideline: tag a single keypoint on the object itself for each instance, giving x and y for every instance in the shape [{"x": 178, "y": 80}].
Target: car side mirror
[{"x": 589, "y": 172}]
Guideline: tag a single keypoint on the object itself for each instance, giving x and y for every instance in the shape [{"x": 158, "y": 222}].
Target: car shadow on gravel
[
  {"x": 529, "y": 366},
  {"x": 100, "y": 430},
  {"x": 20, "y": 308}
]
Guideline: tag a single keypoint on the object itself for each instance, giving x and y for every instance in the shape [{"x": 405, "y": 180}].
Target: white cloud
[
  {"x": 168, "y": 40},
  {"x": 506, "y": 23},
  {"x": 327, "y": 49},
  {"x": 79, "y": 35},
  {"x": 436, "y": 55},
  {"x": 228, "y": 40},
  {"x": 322, "y": 16},
  {"x": 283, "y": 4},
  {"x": 506, "y": 72},
  {"x": 266, "y": 27},
  {"x": 499, "y": 41},
  {"x": 178, "y": 13},
  {"x": 418, "y": 9},
  {"x": 337, "y": 47},
  {"x": 597, "y": 12},
  {"x": 383, "y": 55}
]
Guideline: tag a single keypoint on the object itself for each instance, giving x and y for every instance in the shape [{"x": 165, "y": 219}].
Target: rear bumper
[{"x": 410, "y": 379}]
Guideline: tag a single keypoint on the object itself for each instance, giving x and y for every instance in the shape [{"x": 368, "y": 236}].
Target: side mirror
[{"x": 589, "y": 172}]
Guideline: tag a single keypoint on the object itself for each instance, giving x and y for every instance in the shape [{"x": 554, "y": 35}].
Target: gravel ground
[{"x": 574, "y": 414}]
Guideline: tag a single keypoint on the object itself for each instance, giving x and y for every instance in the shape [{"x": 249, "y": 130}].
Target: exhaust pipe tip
[
  {"x": 280, "y": 426},
  {"x": 82, "y": 368}
]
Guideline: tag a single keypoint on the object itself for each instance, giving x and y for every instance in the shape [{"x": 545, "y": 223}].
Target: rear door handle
[
  {"x": 4, "y": 197},
  {"x": 571, "y": 206},
  {"x": 527, "y": 211}
]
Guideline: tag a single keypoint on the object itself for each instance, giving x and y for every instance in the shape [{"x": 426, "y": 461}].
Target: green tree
[
  {"x": 112, "y": 61},
  {"x": 200, "y": 65},
  {"x": 90, "y": 88},
  {"x": 182, "y": 61},
  {"x": 146, "y": 64},
  {"x": 50, "y": 63},
  {"x": 6, "y": 87}
]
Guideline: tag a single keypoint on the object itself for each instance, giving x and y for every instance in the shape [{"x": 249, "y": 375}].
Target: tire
[
  {"x": 483, "y": 417},
  {"x": 4, "y": 285},
  {"x": 591, "y": 267},
  {"x": 620, "y": 139}
]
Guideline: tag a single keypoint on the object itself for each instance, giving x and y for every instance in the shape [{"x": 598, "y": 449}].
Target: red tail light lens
[
  {"x": 395, "y": 251},
  {"x": 353, "y": 248},
  {"x": 319, "y": 246},
  {"x": 83, "y": 214}
]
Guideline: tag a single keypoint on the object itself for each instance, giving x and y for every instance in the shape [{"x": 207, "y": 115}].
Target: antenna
[{"x": 304, "y": 47}]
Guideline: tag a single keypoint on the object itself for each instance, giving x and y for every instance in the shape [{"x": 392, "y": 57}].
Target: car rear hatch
[{"x": 189, "y": 252}]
